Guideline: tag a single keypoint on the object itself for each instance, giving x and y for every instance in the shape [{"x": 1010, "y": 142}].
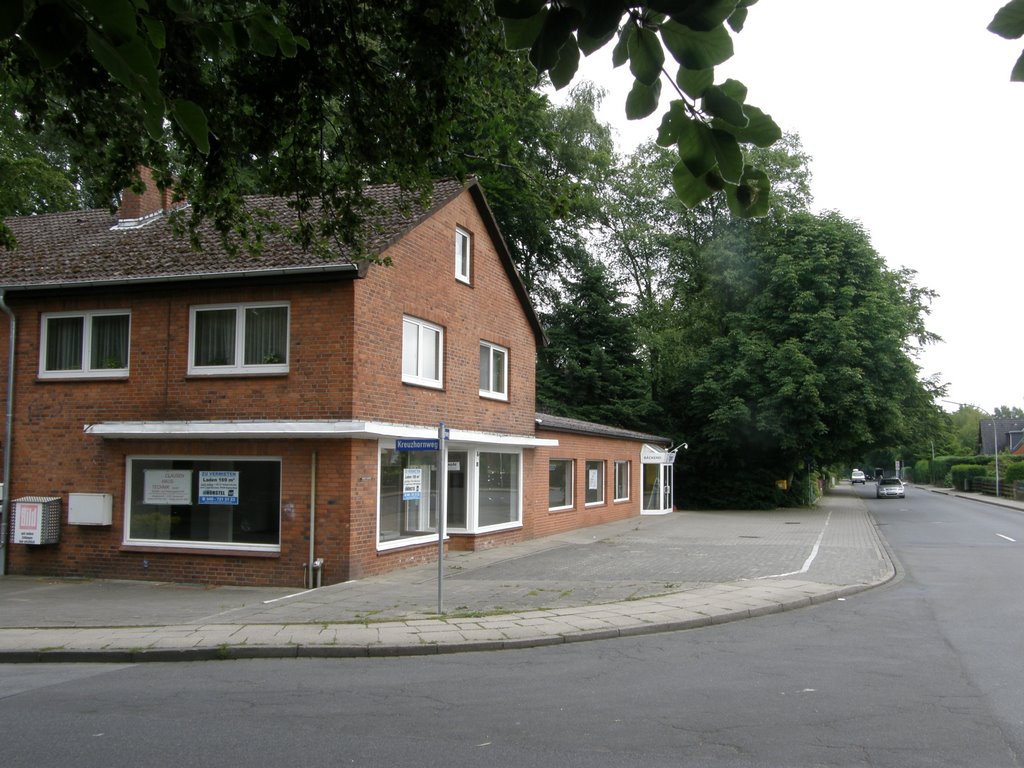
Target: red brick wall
[
  {"x": 337, "y": 370},
  {"x": 541, "y": 522},
  {"x": 422, "y": 284}
]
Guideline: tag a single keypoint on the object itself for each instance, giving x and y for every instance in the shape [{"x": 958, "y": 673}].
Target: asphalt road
[{"x": 921, "y": 672}]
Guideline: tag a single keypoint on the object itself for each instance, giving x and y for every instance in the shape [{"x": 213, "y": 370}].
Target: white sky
[{"x": 915, "y": 130}]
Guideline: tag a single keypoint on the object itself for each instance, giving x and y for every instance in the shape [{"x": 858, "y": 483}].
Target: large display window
[
  {"x": 208, "y": 502},
  {"x": 484, "y": 493}
]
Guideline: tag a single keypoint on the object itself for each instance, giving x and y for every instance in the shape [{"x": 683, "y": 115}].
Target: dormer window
[{"x": 463, "y": 255}]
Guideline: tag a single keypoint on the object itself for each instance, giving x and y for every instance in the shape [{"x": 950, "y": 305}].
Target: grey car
[{"x": 889, "y": 488}]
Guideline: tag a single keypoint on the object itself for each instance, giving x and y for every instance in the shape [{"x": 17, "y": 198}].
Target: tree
[
  {"x": 318, "y": 97},
  {"x": 1008, "y": 412},
  {"x": 799, "y": 353},
  {"x": 1009, "y": 23},
  {"x": 590, "y": 370}
]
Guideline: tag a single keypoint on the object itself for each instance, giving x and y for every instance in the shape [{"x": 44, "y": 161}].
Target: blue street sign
[{"x": 429, "y": 444}]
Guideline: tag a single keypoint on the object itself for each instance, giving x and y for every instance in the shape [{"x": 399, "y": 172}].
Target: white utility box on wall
[
  {"x": 90, "y": 509},
  {"x": 36, "y": 520}
]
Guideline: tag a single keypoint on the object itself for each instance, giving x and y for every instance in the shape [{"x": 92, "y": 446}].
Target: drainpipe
[
  {"x": 5, "y": 505},
  {"x": 315, "y": 566}
]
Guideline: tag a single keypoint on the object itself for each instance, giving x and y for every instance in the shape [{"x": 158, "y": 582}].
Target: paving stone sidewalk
[{"x": 643, "y": 575}]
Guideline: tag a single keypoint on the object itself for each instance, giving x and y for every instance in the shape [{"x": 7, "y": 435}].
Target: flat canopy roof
[{"x": 298, "y": 429}]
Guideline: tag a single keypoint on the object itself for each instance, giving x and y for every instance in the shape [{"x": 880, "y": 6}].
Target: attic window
[{"x": 463, "y": 255}]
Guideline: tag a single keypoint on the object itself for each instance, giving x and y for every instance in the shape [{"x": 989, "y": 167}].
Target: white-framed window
[
  {"x": 621, "y": 481},
  {"x": 560, "y": 483},
  {"x": 93, "y": 344},
  {"x": 595, "y": 482},
  {"x": 493, "y": 371},
  {"x": 463, "y": 255},
  {"x": 484, "y": 493},
  {"x": 422, "y": 353},
  {"x": 204, "y": 502},
  {"x": 238, "y": 338}
]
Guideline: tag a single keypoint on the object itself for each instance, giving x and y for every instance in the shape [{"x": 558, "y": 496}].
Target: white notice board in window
[{"x": 167, "y": 486}]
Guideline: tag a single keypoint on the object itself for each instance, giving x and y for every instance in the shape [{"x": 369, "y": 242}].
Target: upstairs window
[
  {"x": 239, "y": 338},
  {"x": 463, "y": 255},
  {"x": 493, "y": 371},
  {"x": 422, "y": 345},
  {"x": 93, "y": 344}
]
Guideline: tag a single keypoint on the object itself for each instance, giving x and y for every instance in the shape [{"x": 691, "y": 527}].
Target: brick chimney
[{"x": 152, "y": 200}]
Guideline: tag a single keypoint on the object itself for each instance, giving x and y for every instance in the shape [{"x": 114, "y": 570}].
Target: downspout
[
  {"x": 5, "y": 505},
  {"x": 315, "y": 566}
]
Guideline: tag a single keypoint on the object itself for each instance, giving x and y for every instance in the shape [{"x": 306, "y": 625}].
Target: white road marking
[
  {"x": 810, "y": 558},
  {"x": 1006, "y": 537}
]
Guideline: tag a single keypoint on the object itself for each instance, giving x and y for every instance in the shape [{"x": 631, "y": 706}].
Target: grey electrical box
[
  {"x": 90, "y": 509},
  {"x": 36, "y": 520}
]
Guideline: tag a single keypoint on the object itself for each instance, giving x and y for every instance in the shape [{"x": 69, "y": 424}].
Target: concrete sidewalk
[{"x": 638, "y": 576}]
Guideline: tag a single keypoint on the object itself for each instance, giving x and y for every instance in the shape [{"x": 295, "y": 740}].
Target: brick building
[{"x": 234, "y": 418}]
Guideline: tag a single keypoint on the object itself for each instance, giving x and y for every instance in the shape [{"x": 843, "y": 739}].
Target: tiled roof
[
  {"x": 565, "y": 424},
  {"x": 85, "y": 247}
]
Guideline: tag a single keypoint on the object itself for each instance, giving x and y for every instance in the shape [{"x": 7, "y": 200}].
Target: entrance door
[{"x": 657, "y": 489}]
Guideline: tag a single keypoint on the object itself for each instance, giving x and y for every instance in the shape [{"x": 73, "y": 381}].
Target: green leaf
[
  {"x": 620, "y": 53},
  {"x": 116, "y": 18},
  {"x": 752, "y": 196},
  {"x": 738, "y": 19},
  {"x": 761, "y": 131},
  {"x": 1017, "y": 75},
  {"x": 642, "y": 99},
  {"x": 646, "y": 56},
  {"x": 156, "y": 32},
  {"x": 1009, "y": 20},
  {"x": 518, "y": 9},
  {"x": 262, "y": 36},
  {"x": 734, "y": 89},
  {"x": 672, "y": 124},
  {"x": 568, "y": 62},
  {"x": 52, "y": 33},
  {"x": 588, "y": 44},
  {"x": 695, "y": 81},
  {"x": 718, "y": 104},
  {"x": 192, "y": 120},
  {"x": 696, "y": 147},
  {"x": 558, "y": 27},
  {"x": 697, "y": 50},
  {"x": 702, "y": 15},
  {"x": 690, "y": 190},
  {"x": 11, "y": 16},
  {"x": 729, "y": 156},
  {"x": 599, "y": 25}
]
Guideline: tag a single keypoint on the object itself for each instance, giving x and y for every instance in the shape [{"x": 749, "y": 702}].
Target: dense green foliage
[
  {"x": 799, "y": 355},
  {"x": 962, "y": 474}
]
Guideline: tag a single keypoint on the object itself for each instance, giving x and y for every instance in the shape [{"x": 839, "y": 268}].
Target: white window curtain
[
  {"x": 266, "y": 335},
  {"x": 109, "y": 342},
  {"x": 64, "y": 343},
  {"x": 215, "y": 337}
]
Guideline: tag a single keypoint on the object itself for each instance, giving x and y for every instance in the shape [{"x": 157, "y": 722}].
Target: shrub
[
  {"x": 962, "y": 474},
  {"x": 1014, "y": 471}
]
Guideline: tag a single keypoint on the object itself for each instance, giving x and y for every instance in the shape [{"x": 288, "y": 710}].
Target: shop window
[
  {"x": 204, "y": 503},
  {"x": 595, "y": 482},
  {"x": 499, "y": 489},
  {"x": 621, "y": 480},
  {"x": 560, "y": 483}
]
